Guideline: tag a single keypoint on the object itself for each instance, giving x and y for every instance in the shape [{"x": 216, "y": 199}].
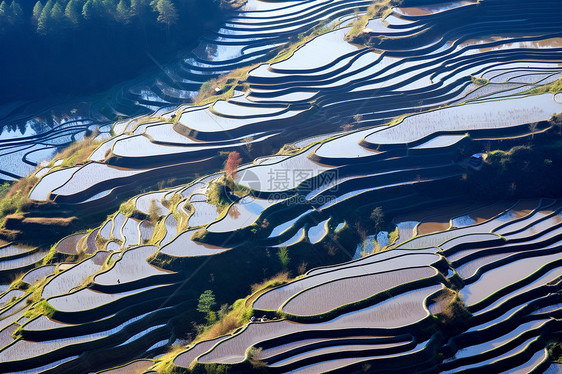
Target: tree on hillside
[
  {"x": 94, "y": 9},
  {"x": 43, "y": 23},
  {"x": 167, "y": 13},
  {"x": 123, "y": 11},
  {"x": 206, "y": 303},
  {"x": 73, "y": 12},
  {"x": 4, "y": 12},
  {"x": 37, "y": 9},
  {"x": 283, "y": 254},
  {"x": 138, "y": 7},
  {"x": 377, "y": 216},
  {"x": 16, "y": 13},
  {"x": 232, "y": 163},
  {"x": 57, "y": 15},
  {"x": 88, "y": 9},
  {"x": 4, "y": 18}
]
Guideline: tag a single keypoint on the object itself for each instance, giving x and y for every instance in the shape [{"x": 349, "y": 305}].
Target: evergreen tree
[
  {"x": 57, "y": 16},
  {"x": 4, "y": 10},
  {"x": 37, "y": 9},
  {"x": 43, "y": 24},
  {"x": 138, "y": 7},
  {"x": 94, "y": 9},
  {"x": 88, "y": 11},
  {"x": 109, "y": 5},
  {"x": 283, "y": 254},
  {"x": 73, "y": 11},
  {"x": 16, "y": 12},
  {"x": 166, "y": 12},
  {"x": 123, "y": 11},
  {"x": 5, "y": 19},
  {"x": 206, "y": 302}
]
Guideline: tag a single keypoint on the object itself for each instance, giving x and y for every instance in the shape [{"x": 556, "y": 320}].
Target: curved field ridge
[
  {"x": 253, "y": 33},
  {"x": 333, "y": 318},
  {"x": 274, "y": 299},
  {"x": 422, "y": 61},
  {"x": 479, "y": 290}
]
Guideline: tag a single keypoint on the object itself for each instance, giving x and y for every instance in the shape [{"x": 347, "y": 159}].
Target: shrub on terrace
[
  {"x": 172, "y": 201},
  {"x": 253, "y": 354},
  {"x": 226, "y": 85},
  {"x": 377, "y": 9},
  {"x": 520, "y": 172},
  {"x": 377, "y": 217},
  {"x": 283, "y": 254},
  {"x": 79, "y": 152},
  {"x": 277, "y": 280},
  {"x": 154, "y": 211},
  {"x": 13, "y": 197},
  {"x": 206, "y": 303},
  {"x": 232, "y": 163},
  {"x": 127, "y": 208},
  {"x": 393, "y": 235},
  {"x": 479, "y": 81},
  {"x": 218, "y": 192},
  {"x": 554, "y": 87},
  {"x": 454, "y": 315},
  {"x": 554, "y": 349}
]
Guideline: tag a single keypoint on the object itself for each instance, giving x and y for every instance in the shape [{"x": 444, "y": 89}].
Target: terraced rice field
[
  {"x": 338, "y": 82},
  {"x": 343, "y": 306},
  {"x": 373, "y": 309},
  {"x": 506, "y": 330},
  {"x": 253, "y": 34},
  {"x": 462, "y": 287}
]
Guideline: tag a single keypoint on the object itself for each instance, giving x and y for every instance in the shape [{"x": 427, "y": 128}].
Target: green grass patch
[
  {"x": 554, "y": 349},
  {"x": 553, "y": 88},
  {"x": 159, "y": 232},
  {"x": 479, "y": 81},
  {"x": 15, "y": 195},
  {"x": 225, "y": 83},
  {"x": 165, "y": 364},
  {"x": 51, "y": 256},
  {"x": 127, "y": 208},
  {"x": 379, "y": 8},
  {"x": 182, "y": 217},
  {"x": 217, "y": 194},
  {"x": 393, "y": 236},
  {"x": 77, "y": 152},
  {"x": 41, "y": 308},
  {"x": 220, "y": 192},
  {"x": 100, "y": 241},
  {"x": 172, "y": 201}
]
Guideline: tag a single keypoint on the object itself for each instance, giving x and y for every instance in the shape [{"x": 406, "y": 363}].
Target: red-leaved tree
[{"x": 232, "y": 163}]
